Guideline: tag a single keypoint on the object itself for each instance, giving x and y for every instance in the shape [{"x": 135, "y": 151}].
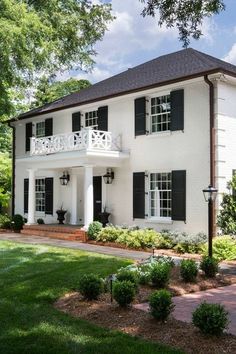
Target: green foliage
[
  {"x": 224, "y": 248},
  {"x": 5, "y": 139},
  {"x": 90, "y": 286},
  {"x": 93, "y": 229},
  {"x": 48, "y": 90},
  {"x": 210, "y": 318},
  {"x": 188, "y": 270},
  {"x": 227, "y": 216},
  {"x": 161, "y": 304},
  {"x": 160, "y": 274},
  {"x": 17, "y": 222},
  {"x": 5, "y": 178},
  {"x": 185, "y": 243},
  {"x": 5, "y": 222},
  {"x": 186, "y": 15},
  {"x": 46, "y": 36},
  {"x": 40, "y": 221},
  {"x": 128, "y": 275},
  {"x": 133, "y": 238},
  {"x": 124, "y": 292},
  {"x": 209, "y": 266}
]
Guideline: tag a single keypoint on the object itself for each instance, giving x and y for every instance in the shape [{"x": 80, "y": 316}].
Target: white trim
[{"x": 159, "y": 220}]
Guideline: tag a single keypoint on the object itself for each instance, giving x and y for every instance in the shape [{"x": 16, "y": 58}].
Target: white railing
[{"x": 85, "y": 139}]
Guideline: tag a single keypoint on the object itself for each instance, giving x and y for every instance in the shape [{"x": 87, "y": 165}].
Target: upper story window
[
  {"x": 40, "y": 129},
  {"x": 91, "y": 119},
  {"x": 160, "y": 195},
  {"x": 160, "y": 114}
]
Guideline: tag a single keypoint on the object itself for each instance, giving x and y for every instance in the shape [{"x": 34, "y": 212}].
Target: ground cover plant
[{"x": 32, "y": 278}]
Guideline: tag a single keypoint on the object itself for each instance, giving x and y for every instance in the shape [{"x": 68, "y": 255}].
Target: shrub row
[{"x": 15, "y": 223}]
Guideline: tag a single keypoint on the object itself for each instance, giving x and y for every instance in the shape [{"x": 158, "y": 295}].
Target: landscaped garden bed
[{"x": 138, "y": 323}]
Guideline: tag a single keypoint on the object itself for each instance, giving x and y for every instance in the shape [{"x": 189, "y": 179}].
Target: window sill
[
  {"x": 159, "y": 221},
  {"x": 160, "y": 134}
]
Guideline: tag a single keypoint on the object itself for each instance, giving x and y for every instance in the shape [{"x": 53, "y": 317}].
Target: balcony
[{"x": 86, "y": 139}]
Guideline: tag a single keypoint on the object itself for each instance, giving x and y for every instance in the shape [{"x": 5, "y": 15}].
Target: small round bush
[
  {"x": 160, "y": 304},
  {"x": 90, "y": 286},
  {"x": 40, "y": 221},
  {"x": 128, "y": 275},
  {"x": 5, "y": 221},
  {"x": 209, "y": 266},
  {"x": 93, "y": 229},
  {"x": 188, "y": 270},
  {"x": 160, "y": 274},
  {"x": 17, "y": 222},
  {"x": 210, "y": 318},
  {"x": 124, "y": 292}
]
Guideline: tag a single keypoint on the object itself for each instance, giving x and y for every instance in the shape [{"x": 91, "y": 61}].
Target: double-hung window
[
  {"x": 40, "y": 129},
  {"x": 40, "y": 194},
  {"x": 91, "y": 119},
  {"x": 160, "y": 195},
  {"x": 160, "y": 114}
]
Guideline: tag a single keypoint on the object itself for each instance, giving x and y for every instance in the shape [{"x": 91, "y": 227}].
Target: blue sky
[{"x": 132, "y": 39}]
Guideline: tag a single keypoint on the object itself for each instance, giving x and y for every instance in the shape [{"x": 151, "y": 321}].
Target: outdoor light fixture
[
  {"x": 111, "y": 278},
  {"x": 109, "y": 176},
  {"x": 65, "y": 178},
  {"x": 210, "y": 194}
]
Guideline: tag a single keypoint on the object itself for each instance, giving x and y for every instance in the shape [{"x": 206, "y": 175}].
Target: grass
[{"x": 31, "y": 279}]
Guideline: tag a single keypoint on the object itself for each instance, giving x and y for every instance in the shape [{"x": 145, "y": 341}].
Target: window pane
[{"x": 160, "y": 113}]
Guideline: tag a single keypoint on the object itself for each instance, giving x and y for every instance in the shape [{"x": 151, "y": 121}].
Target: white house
[{"x": 166, "y": 129}]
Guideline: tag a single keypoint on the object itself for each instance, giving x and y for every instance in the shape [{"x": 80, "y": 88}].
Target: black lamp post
[
  {"x": 210, "y": 196},
  {"x": 111, "y": 278}
]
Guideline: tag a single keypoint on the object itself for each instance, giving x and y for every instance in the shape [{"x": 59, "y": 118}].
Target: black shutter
[
  {"x": 179, "y": 195},
  {"x": 49, "y": 196},
  {"x": 26, "y": 194},
  {"x": 103, "y": 118},
  {"x": 48, "y": 127},
  {"x": 140, "y": 116},
  {"x": 177, "y": 110},
  {"x": 28, "y": 135},
  {"x": 76, "y": 122},
  {"x": 139, "y": 195}
]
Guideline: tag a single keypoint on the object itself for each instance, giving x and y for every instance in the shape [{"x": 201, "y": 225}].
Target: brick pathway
[{"x": 184, "y": 305}]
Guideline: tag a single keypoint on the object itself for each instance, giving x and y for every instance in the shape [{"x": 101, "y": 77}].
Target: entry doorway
[{"x": 97, "y": 197}]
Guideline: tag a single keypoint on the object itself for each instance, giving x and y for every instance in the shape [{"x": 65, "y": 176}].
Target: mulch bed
[{"x": 138, "y": 323}]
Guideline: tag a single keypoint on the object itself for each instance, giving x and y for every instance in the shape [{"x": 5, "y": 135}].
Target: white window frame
[
  {"x": 38, "y": 194},
  {"x": 42, "y": 123},
  {"x": 150, "y": 115},
  {"x": 92, "y": 120},
  {"x": 157, "y": 217}
]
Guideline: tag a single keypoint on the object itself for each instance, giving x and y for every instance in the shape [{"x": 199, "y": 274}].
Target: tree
[
  {"x": 227, "y": 216},
  {"x": 46, "y": 37},
  {"x": 5, "y": 179},
  {"x": 48, "y": 91},
  {"x": 186, "y": 15}
]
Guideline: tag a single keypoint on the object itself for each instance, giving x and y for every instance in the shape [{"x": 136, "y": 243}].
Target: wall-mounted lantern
[
  {"x": 64, "y": 180},
  {"x": 109, "y": 176}
]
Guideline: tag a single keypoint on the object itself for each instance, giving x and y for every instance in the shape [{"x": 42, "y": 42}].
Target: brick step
[
  {"x": 56, "y": 233},
  {"x": 52, "y": 228}
]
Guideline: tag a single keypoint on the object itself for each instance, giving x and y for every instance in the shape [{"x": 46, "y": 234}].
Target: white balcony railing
[{"x": 85, "y": 139}]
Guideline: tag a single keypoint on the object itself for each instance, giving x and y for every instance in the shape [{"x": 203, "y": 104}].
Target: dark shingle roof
[{"x": 171, "y": 67}]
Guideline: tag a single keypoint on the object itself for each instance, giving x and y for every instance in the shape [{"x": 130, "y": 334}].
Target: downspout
[
  {"x": 13, "y": 169},
  {"x": 212, "y": 144}
]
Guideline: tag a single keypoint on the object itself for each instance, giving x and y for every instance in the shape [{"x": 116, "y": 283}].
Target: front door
[{"x": 97, "y": 197}]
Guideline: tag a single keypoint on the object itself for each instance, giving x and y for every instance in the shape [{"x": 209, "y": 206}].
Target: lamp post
[{"x": 210, "y": 196}]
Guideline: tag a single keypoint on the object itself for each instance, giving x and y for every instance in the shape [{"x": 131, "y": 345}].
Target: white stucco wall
[
  {"x": 188, "y": 150},
  {"x": 225, "y": 135}
]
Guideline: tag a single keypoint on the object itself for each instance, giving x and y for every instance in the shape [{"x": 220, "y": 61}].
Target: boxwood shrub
[
  {"x": 209, "y": 266},
  {"x": 90, "y": 286},
  {"x": 124, "y": 292},
  {"x": 160, "y": 274},
  {"x": 128, "y": 275},
  {"x": 93, "y": 229},
  {"x": 160, "y": 304},
  {"x": 188, "y": 270},
  {"x": 210, "y": 318}
]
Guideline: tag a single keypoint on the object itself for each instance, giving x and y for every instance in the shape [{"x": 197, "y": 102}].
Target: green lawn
[{"x": 31, "y": 279}]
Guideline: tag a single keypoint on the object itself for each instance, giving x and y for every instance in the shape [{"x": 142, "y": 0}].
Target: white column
[
  {"x": 88, "y": 195},
  {"x": 74, "y": 199},
  {"x": 31, "y": 198}
]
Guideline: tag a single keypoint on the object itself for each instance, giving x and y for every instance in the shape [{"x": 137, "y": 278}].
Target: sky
[{"x": 132, "y": 40}]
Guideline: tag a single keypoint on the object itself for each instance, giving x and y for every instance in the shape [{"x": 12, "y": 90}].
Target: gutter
[{"x": 212, "y": 145}]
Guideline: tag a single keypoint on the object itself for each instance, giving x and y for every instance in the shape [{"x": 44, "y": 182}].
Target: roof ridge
[{"x": 204, "y": 57}]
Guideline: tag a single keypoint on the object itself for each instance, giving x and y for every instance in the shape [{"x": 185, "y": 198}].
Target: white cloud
[{"x": 231, "y": 55}]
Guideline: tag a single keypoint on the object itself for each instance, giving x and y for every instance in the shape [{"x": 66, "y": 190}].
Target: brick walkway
[{"x": 184, "y": 305}]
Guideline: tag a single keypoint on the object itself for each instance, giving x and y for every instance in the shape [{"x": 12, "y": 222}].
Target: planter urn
[
  {"x": 61, "y": 216},
  {"x": 104, "y": 218}
]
